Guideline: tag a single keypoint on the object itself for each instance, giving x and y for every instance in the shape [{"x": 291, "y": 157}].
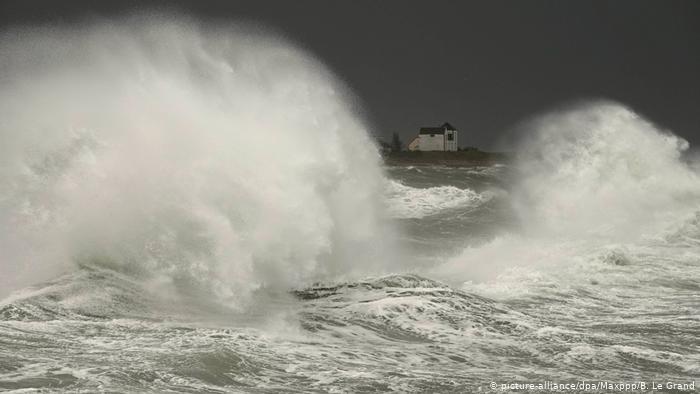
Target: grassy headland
[{"x": 462, "y": 158}]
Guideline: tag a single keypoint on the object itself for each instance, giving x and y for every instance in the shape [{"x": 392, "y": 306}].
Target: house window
[{"x": 450, "y": 137}]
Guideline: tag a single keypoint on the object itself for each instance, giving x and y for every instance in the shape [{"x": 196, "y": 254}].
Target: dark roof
[
  {"x": 432, "y": 130},
  {"x": 437, "y": 130}
]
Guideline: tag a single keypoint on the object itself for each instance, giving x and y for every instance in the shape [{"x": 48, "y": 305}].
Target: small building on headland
[{"x": 443, "y": 138}]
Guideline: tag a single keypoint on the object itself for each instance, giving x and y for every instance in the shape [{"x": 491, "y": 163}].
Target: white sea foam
[{"x": 409, "y": 202}]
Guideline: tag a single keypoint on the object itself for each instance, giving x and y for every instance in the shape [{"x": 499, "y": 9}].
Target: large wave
[
  {"x": 590, "y": 181},
  {"x": 600, "y": 168},
  {"x": 214, "y": 158}
]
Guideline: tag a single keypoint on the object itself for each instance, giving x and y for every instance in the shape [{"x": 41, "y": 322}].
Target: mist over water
[
  {"x": 216, "y": 157},
  {"x": 189, "y": 208}
]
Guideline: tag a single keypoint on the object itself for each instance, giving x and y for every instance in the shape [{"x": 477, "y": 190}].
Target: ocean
[{"x": 203, "y": 209}]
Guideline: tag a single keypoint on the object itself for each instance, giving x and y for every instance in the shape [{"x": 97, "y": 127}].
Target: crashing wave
[
  {"x": 405, "y": 202},
  {"x": 404, "y": 307},
  {"x": 217, "y": 156}
]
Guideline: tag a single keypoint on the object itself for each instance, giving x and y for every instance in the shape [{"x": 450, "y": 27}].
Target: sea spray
[
  {"x": 221, "y": 158},
  {"x": 600, "y": 169},
  {"x": 620, "y": 311},
  {"x": 588, "y": 179}
]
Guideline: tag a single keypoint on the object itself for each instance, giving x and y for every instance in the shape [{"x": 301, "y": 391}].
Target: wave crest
[
  {"x": 405, "y": 202},
  {"x": 217, "y": 157}
]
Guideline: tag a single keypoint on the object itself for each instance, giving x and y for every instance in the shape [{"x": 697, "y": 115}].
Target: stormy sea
[{"x": 189, "y": 208}]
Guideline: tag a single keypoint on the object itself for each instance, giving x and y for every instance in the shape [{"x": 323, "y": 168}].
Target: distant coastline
[{"x": 463, "y": 158}]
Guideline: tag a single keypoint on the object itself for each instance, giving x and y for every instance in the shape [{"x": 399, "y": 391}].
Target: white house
[
  {"x": 413, "y": 145},
  {"x": 443, "y": 138}
]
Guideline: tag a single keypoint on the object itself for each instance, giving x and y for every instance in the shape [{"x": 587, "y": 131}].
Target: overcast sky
[{"x": 481, "y": 65}]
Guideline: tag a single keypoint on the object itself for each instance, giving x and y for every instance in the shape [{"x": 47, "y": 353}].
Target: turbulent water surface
[{"x": 153, "y": 240}]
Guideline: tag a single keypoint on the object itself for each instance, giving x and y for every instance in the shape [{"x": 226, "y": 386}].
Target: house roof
[
  {"x": 448, "y": 126},
  {"x": 436, "y": 130},
  {"x": 432, "y": 130}
]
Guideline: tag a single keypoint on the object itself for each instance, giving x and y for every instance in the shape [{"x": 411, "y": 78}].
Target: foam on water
[{"x": 409, "y": 202}]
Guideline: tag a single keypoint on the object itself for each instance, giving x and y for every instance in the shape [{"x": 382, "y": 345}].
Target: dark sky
[{"x": 481, "y": 65}]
